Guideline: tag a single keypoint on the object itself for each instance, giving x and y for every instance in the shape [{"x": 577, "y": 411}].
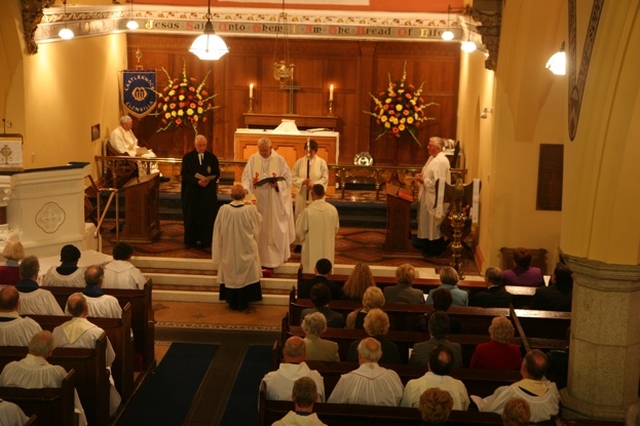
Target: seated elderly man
[
  {"x": 80, "y": 333},
  {"x": 100, "y": 305},
  {"x": 33, "y": 299},
  {"x": 304, "y": 396},
  {"x": 34, "y": 372},
  {"x": 68, "y": 274},
  {"x": 370, "y": 384},
  {"x": 403, "y": 292},
  {"x": 449, "y": 280},
  {"x": 279, "y": 383},
  {"x": 438, "y": 330},
  {"x": 495, "y": 296},
  {"x": 438, "y": 376},
  {"x": 435, "y": 406},
  {"x": 14, "y": 329},
  {"x": 320, "y": 297},
  {"x": 120, "y": 273},
  {"x": 542, "y": 395},
  {"x": 376, "y": 324},
  {"x": 125, "y": 143},
  {"x": 318, "y": 349}
]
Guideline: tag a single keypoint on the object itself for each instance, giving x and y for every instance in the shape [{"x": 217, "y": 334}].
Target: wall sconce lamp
[
  {"x": 209, "y": 46},
  {"x": 132, "y": 24},
  {"x": 557, "y": 63},
  {"x": 65, "y": 33},
  {"x": 485, "y": 112},
  {"x": 448, "y": 34}
]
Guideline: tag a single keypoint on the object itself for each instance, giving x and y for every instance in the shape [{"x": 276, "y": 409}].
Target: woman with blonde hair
[
  {"x": 318, "y": 349},
  {"x": 372, "y": 298},
  {"x": 376, "y": 324},
  {"x": 498, "y": 353},
  {"x": 13, "y": 253},
  {"x": 360, "y": 278}
]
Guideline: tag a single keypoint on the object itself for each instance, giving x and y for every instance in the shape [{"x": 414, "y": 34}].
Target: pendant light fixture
[
  {"x": 209, "y": 46},
  {"x": 132, "y": 24},
  {"x": 282, "y": 69},
  {"x": 65, "y": 33},
  {"x": 448, "y": 34}
]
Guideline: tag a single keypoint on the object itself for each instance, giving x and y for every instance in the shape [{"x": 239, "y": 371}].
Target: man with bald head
[
  {"x": 541, "y": 394},
  {"x": 235, "y": 251},
  {"x": 14, "y": 329},
  {"x": 279, "y": 383},
  {"x": 100, "y": 304},
  {"x": 370, "y": 384},
  {"x": 200, "y": 172},
  {"x": 80, "y": 333}
]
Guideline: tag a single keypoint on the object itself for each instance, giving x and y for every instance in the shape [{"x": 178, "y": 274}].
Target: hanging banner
[{"x": 139, "y": 92}]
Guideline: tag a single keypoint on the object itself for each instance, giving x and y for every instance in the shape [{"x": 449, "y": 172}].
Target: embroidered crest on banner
[{"x": 138, "y": 92}]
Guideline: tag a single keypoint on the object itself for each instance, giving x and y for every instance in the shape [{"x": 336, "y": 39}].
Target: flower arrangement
[
  {"x": 183, "y": 102},
  {"x": 400, "y": 109}
]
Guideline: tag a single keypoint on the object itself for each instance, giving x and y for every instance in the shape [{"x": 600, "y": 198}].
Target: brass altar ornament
[{"x": 282, "y": 72}]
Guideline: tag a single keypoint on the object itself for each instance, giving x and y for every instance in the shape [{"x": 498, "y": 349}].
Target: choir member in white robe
[
  {"x": 316, "y": 230},
  {"x": 11, "y": 414},
  {"x": 234, "y": 251},
  {"x": 277, "y": 232},
  {"x": 100, "y": 305},
  {"x": 304, "y": 396},
  {"x": 370, "y": 384},
  {"x": 80, "y": 333},
  {"x": 34, "y": 372},
  {"x": 303, "y": 181},
  {"x": 14, "y": 329},
  {"x": 120, "y": 273},
  {"x": 279, "y": 383},
  {"x": 68, "y": 274},
  {"x": 33, "y": 299},
  {"x": 125, "y": 142},
  {"x": 429, "y": 238}
]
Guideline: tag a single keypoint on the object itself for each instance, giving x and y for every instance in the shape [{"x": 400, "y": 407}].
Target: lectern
[
  {"x": 141, "y": 209},
  {"x": 398, "y": 219}
]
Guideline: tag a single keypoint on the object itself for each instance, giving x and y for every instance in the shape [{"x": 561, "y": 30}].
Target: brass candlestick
[
  {"x": 251, "y": 98},
  {"x": 330, "y": 107}
]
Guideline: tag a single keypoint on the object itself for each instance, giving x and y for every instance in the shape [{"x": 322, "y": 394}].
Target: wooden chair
[{"x": 119, "y": 172}]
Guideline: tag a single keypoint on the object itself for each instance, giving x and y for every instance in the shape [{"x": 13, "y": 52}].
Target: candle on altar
[
  {"x": 331, "y": 92},
  {"x": 251, "y": 90}
]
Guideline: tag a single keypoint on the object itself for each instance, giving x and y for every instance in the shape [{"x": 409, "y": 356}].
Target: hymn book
[{"x": 273, "y": 179}]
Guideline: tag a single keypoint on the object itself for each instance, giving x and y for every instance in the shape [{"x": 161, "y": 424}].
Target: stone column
[{"x": 605, "y": 339}]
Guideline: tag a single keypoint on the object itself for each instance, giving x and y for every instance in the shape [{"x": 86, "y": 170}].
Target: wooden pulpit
[
  {"x": 398, "y": 219},
  {"x": 142, "y": 224}
]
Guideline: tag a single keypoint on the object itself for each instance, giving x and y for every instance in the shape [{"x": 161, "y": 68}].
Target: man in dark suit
[
  {"x": 321, "y": 296},
  {"x": 495, "y": 296},
  {"x": 556, "y": 297},
  {"x": 322, "y": 269},
  {"x": 200, "y": 173}
]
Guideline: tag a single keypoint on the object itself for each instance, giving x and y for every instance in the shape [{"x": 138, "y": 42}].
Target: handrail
[{"x": 112, "y": 192}]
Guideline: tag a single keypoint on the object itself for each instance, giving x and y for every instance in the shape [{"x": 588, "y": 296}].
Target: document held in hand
[
  {"x": 273, "y": 179},
  {"x": 203, "y": 177}
]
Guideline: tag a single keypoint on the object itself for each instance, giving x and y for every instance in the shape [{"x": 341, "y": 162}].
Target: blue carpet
[
  {"x": 242, "y": 407},
  {"x": 165, "y": 397}
]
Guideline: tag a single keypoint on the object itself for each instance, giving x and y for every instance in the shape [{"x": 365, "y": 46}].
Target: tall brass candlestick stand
[
  {"x": 458, "y": 217},
  {"x": 251, "y": 98},
  {"x": 330, "y": 107}
]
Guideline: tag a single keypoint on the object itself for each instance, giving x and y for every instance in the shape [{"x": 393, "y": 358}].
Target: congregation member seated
[
  {"x": 14, "y": 329},
  {"x": 376, "y": 324},
  {"x": 370, "y": 384},
  {"x": 11, "y": 414},
  {"x": 523, "y": 273},
  {"x": 438, "y": 331},
  {"x": 541, "y": 395},
  {"x": 320, "y": 297},
  {"x": 441, "y": 302},
  {"x": 304, "y": 396},
  {"x": 322, "y": 270},
  {"x": 498, "y": 353},
  {"x": 120, "y": 273},
  {"x": 100, "y": 305},
  {"x": 495, "y": 296},
  {"x": 78, "y": 332},
  {"x": 34, "y": 372},
  {"x": 435, "y": 407},
  {"x": 33, "y": 299},
  {"x": 13, "y": 253},
  {"x": 516, "y": 412},
  {"x": 357, "y": 282},
  {"x": 68, "y": 274},
  {"x": 373, "y": 298},
  {"x": 318, "y": 349},
  {"x": 449, "y": 280},
  {"x": 556, "y": 297},
  {"x": 403, "y": 292},
  {"x": 279, "y": 383},
  {"x": 438, "y": 376}
]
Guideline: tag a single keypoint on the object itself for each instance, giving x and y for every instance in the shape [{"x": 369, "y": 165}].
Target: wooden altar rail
[{"x": 379, "y": 174}]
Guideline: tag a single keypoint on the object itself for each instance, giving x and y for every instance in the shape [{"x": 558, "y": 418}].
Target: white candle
[
  {"x": 331, "y": 92},
  {"x": 251, "y": 90}
]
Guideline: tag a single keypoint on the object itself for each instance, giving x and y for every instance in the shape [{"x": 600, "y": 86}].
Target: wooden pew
[
  {"x": 50, "y": 406},
  {"x": 142, "y": 316},
  {"x": 92, "y": 382},
  {"x": 118, "y": 331}
]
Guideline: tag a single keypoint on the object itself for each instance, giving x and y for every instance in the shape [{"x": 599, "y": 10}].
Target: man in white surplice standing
[
  {"x": 277, "y": 232},
  {"x": 316, "y": 229}
]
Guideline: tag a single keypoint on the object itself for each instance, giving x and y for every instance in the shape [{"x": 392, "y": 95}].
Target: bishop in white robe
[
  {"x": 277, "y": 232},
  {"x": 125, "y": 142}
]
